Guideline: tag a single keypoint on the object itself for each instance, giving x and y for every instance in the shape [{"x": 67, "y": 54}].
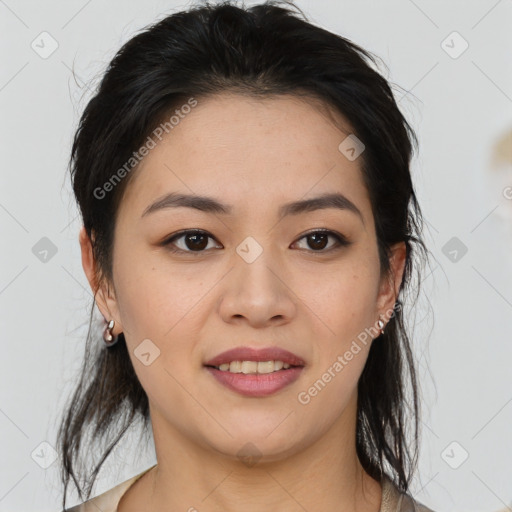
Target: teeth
[
  {"x": 247, "y": 367},
  {"x": 235, "y": 367}
]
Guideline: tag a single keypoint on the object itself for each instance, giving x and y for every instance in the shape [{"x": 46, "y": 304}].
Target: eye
[
  {"x": 318, "y": 240},
  {"x": 195, "y": 241}
]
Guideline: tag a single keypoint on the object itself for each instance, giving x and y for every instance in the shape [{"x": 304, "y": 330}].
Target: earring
[
  {"x": 381, "y": 325},
  {"x": 108, "y": 338}
]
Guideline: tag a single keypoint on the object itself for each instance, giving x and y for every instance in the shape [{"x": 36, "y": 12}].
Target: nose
[{"x": 259, "y": 293}]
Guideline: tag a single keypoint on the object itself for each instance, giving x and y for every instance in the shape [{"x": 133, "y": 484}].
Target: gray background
[{"x": 461, "y": 107}]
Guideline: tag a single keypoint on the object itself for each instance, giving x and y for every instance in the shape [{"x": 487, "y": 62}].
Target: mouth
[
  {"x": 253, "y": 367},
  {"x": 255, "y": 372}
]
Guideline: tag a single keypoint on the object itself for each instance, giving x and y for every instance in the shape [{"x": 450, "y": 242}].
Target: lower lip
[{"x": 256, "y": 385}]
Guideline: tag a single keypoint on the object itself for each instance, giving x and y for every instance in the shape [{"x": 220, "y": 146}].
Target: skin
[{"x": 253, "y": 154}]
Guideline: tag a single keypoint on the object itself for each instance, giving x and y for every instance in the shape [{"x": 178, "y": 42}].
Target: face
[{"x": 191, "y": 283}]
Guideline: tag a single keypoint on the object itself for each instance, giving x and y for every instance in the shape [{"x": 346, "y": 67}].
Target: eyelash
[{"x": 341, "y": 240}]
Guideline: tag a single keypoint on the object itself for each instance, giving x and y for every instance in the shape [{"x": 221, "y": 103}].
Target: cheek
[
  {"x": 166, "y": 306},
  {"x": 156, "y": 305},
  {"x": 155, "y": 299},
  {"x": 331, "y": 388},
  {"x": 343, "y": 301},
  {"x": 341, "y": 353}
]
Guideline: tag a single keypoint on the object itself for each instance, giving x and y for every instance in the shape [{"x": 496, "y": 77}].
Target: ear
[
  {"x": 103, "y": 295},
  {"x": 390, "y": 284}
]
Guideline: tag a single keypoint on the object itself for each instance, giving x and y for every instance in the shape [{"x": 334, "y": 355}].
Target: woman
[{"x": 250, "y": 228}]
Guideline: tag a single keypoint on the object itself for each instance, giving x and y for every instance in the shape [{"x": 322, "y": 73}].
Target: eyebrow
[{"x": 211, "y": 205}]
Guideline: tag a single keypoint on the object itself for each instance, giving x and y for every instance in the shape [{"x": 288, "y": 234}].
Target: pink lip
[
  {"x": 253, "y": 354},
  {"x": 257, "y": 385}
]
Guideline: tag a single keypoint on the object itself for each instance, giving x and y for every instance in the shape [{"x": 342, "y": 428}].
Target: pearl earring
[{"x": 108, "y": 338}]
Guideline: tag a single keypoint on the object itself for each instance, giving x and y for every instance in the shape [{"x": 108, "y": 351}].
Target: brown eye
[
  {"x": 196, "y": 242},
  {"x": 193, "y": 241},
  {"x": 318, "y": 240}
]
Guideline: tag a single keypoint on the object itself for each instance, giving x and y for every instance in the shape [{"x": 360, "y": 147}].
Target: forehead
[{"x": 250, "y": 151}]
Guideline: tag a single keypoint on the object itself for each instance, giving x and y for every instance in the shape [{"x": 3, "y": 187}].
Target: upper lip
[{"x": 257, "y": 355}]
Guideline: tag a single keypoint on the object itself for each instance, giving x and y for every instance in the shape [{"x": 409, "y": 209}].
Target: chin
[{"x": 257, "y": 446}]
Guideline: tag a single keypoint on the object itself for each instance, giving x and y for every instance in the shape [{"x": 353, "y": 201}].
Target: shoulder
[
  {"x": 393, "y": 500},
  {"x": 409, "y": 504},
  {"x": 108, "y": 501}
]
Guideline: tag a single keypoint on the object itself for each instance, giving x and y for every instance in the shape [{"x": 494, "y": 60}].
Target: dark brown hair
[{"x": 265, "y": 50}]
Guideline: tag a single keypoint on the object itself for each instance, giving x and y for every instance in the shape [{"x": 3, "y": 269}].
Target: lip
[
  {"x": 257, "y": 355},
  {"x": 256, "y": 385}
]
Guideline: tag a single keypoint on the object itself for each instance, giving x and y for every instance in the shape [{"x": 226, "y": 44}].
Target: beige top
[{"x": 392, "y": 499}]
